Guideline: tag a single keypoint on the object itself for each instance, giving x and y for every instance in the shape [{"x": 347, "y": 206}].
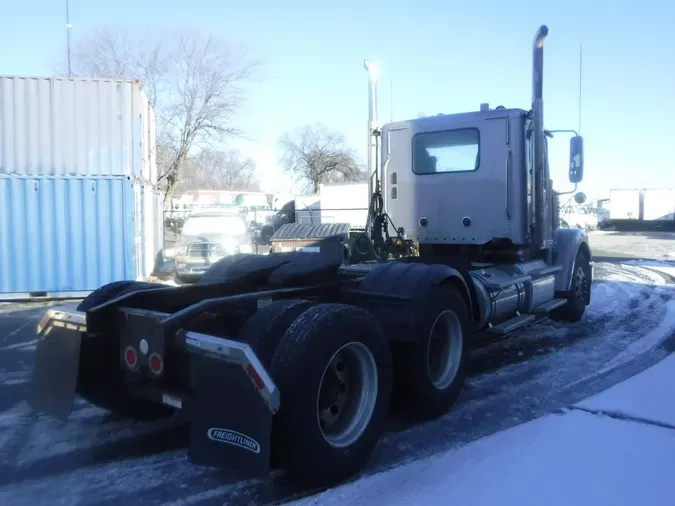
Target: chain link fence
[{"x": 260, "y": 221}]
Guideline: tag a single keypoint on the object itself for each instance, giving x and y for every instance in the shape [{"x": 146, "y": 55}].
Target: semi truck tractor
[{"x": 292, "y": 360}]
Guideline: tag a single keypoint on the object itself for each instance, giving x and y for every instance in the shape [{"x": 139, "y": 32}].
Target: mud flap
[
  {"x": 55, "y": 375},
  {"x": 230, "y": 424}
]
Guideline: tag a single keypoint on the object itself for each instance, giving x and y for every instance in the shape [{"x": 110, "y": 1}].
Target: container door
[{"x": 138, "y": 230}]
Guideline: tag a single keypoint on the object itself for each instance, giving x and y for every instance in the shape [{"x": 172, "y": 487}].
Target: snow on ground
[
  {"x": 573, "y": 457},
  {"x": 649, "y": 395},
  {"x": 513, "y": 381}
]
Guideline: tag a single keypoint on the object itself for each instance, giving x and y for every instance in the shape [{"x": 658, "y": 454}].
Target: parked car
[
  {"x": 579, "y": 217},
  {"x": 603, "y": 217},
  {"x": 206, "y": 237}
]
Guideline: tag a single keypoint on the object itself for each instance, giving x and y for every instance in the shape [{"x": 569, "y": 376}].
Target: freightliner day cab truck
[{"x": 291, "y": 360}]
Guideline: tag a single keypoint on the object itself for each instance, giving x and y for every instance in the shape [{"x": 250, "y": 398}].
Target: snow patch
[
  {"x": 646, "y": 395},
  {"x": 14, "y": 378},
  {"x": 107, "y": 482},
  {"x": 646, "y": 342},
  {"x": 25, "y": 346},
  {"x": 574, "y": 458}
]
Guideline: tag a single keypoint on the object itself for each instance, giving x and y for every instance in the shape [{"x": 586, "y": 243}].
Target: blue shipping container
[{"x": 61, "y": 236}]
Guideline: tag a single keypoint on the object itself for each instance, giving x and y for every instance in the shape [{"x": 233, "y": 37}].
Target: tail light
[
  {"x": 156, "y": 364},
  {"x": 130, "y": 357}
]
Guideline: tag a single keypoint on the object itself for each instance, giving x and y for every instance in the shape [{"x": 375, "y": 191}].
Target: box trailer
[
  {"x": 66, "y": 236},
  {"x": 345, "y": 203},
  {"x": 658, "y": 204},
  {"x": 624, "y": 204},
  {"x": 53, "y": 126}
]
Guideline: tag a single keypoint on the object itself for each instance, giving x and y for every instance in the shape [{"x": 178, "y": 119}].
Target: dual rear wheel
[{"x": 338, "y": 374}]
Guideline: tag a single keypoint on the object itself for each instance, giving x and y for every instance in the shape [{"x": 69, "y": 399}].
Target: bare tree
[
  {"x": 316, "y": 155},
  {"x": 219, "y": 170},
  {"x": 196, "y": 84}
]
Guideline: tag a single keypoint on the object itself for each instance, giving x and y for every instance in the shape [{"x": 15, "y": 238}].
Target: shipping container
[
  {"x": 82, "y": 127},
  {"x": 658, "y": 204},
  {"x": 65, "y": 236},
  {"x": 624, "y": 204},
  {"x": 344, "y": 203}
]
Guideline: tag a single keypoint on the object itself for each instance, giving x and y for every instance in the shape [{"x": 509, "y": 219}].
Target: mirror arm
[
  {"x": 562, "y": 131},
  {"x": 569, "y": 192}
]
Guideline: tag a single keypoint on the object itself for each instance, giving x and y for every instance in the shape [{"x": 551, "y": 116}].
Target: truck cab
[{"x": 455, "y": 179}]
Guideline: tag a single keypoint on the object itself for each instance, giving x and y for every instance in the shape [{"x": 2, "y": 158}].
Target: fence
[{"x": 256, "y": 218}]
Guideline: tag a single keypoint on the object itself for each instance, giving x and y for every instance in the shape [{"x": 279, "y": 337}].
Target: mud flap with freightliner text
[
  {"x": 57, "y": 358},
  {"x": 232, "y": 406}
]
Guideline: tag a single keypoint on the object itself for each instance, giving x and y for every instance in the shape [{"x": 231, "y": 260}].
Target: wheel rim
[
  {"x": 444, "y": 354},
  {"x": 347, "y": 395}
]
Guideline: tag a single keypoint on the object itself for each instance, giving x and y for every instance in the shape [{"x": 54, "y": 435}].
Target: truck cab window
[{"x": 446, "y": 151}]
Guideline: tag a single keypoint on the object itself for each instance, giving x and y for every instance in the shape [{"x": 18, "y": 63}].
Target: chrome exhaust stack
[
  {"x": 540, "y": 176},
  {"x": 373, "y": 134}
]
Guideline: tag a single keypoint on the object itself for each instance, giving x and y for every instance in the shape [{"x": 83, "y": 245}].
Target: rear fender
[
  {"x": 412, "y": 280},
  {"x": 568, "y": 242}
]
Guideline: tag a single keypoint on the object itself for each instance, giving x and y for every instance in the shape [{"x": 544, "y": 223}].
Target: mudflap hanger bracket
[{"x": 235, "y": 352}]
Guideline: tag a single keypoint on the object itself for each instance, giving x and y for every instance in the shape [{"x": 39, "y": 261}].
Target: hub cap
[
  {"x": 347, "y": 395},
  {"x": 445, "y": 349}
]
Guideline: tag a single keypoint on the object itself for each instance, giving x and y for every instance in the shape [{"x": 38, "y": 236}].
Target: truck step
[
  {"x": 549, "y": 306},
  {"x": 513, "y": 324},
  {"x": 547, "y": 270},
  {"x": 505, "y": 283}
]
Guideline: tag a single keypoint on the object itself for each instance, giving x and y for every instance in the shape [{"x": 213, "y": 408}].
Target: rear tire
[
  {"x": 264, "y": 330},
  {"x": 579, "y": 295},
  {"x": 218, "y": 271},
  {"x": 111, "y": 290},
  {"x": 430, "y": 372},
  {"x": 324, "y": 432}
]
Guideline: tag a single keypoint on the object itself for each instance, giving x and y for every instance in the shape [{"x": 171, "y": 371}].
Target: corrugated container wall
[
  {"x": 64, "y": 235},
  {"x": 79, "y": 127}
]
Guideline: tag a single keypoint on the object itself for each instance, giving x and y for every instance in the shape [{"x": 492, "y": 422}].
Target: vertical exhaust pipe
[
  {"x": 373, "y": 169},
  {"x": 540, "y": 176},
  {"x": 373, "y": 74}
]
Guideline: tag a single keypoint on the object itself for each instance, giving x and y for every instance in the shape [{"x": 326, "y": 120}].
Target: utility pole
[{"x": 68, "y": 27}]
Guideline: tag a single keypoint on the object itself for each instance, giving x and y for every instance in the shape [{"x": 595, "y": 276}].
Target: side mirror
[
  {"x": 580, "y": 198},
  {"x": 576, "y": 159}
]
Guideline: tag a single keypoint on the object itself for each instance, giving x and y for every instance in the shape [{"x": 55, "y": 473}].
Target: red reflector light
[
  {"x": 130, "y": 357},
  {"x": 253, "y": 374},
  {"x": 156, "y": 363}
]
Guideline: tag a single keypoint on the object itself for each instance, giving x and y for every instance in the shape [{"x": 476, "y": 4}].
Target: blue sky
[{"x": 443, "y": 56}]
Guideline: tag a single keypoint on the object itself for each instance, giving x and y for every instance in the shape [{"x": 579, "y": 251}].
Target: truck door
[{"x": 455, "y": 188}]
